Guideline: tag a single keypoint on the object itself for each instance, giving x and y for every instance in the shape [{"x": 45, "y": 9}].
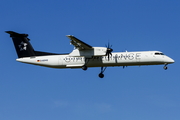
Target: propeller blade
[{"x": 109, "y": 50}]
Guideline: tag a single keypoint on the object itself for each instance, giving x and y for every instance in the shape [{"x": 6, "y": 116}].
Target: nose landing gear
[{"x": 165, "y": 67}]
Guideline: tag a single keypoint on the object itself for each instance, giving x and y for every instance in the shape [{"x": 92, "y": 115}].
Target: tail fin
[{"x": 22, "y": 44}]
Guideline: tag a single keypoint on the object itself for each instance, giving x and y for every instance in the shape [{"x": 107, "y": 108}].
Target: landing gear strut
[
  {"x": 101, "y": 75},
  {"x": 165, "y": 67}
]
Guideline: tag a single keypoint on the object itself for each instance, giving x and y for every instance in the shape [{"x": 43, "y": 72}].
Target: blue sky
[{"x": 140, "y": 93}]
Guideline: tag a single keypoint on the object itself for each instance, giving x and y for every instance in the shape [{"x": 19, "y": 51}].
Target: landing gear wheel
[
  {"x": 84, "y": 67},
  {"x": 165, "y": 67},
  {"x": 101, "y": 75}
]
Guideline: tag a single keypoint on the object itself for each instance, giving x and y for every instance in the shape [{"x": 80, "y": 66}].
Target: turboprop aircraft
[{"x": 85, "y": 56}]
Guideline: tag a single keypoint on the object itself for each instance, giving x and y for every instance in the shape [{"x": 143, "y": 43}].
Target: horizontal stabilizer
[{"x": 14, "y": 34}]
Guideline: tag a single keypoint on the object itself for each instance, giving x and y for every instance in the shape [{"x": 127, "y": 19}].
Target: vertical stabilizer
[{"x": 22, "y": 44}]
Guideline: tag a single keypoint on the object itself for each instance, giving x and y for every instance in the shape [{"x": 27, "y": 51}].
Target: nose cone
[{"x": 169, "y": 60}]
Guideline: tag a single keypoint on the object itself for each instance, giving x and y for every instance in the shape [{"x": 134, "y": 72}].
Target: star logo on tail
[{"x": 23, "y": 46}]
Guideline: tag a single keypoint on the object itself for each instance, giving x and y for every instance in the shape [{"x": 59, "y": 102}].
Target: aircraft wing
[{"x": 78, "y": 43}]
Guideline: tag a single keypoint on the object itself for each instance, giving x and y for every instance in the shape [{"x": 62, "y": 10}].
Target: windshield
[{"x": 159, "y": 53}]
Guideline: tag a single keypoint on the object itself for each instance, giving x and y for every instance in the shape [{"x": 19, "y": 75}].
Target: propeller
[{"x": 109, "y": 50}]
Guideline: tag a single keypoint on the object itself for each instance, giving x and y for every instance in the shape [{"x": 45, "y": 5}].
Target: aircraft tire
[
  {"x": 165, "y": 67},
  {"x": 84, "y": 67},
  {"x": 101, "y": 75}
]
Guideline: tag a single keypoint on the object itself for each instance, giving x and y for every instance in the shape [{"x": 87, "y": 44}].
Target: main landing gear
[
  {"x": 84, "y": 67},
  {"x": 101, "y": 75},
  {"x": 165, "y": 66}
]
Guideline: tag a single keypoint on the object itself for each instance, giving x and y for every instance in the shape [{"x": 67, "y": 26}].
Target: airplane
[{"x": 85, "y": 56}]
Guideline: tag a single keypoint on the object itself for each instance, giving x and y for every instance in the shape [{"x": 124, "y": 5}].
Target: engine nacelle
[{"x": 95, "y": 51}]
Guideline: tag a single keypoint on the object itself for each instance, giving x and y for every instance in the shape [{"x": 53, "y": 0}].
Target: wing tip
[{"x": 70, "y": 35}]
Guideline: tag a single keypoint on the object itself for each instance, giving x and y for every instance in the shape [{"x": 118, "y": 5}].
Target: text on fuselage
[{"x": 126, "y": 56}]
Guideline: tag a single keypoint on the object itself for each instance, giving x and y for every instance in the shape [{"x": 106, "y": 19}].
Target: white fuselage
[{"x": 117, "y": 59}]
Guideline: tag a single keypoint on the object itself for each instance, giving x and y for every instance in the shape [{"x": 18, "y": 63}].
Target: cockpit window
[
  {"x": 159, "y": 54},
  {"x": 162, "y": 53}
]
